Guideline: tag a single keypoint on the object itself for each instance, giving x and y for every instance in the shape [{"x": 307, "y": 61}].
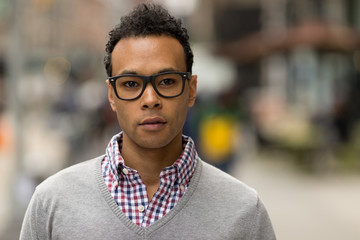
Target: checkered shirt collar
[{"x": 183, "y": 166}]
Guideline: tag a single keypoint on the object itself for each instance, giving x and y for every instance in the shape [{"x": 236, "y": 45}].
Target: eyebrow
[
  {"x": 127, "y": 72},
  {"x": 170, "y": 69}
]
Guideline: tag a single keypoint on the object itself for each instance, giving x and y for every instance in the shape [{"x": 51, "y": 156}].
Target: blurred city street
[{"x": 278, "y": 94}]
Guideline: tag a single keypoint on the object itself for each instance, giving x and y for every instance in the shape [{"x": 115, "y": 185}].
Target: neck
[{"x": 150, "y": 162}]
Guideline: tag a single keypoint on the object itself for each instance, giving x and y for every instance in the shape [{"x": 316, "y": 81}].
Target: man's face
[{"x": 151, "y": 121}]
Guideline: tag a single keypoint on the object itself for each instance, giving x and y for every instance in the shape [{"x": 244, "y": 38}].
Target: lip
[
  {"x": 152, "y": 120},
  {"x": 153, "y": 123}
]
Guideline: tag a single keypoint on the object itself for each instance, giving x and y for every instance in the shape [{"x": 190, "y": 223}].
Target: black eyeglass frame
[{"x": 151, "y": 79}]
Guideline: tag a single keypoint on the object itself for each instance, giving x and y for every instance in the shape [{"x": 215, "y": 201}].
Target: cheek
[
  {"x": 181, "y": 112},
  {"x": 123, "y": 116}
]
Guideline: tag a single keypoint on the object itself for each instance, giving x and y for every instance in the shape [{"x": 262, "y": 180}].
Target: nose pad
[{"x": 150, "y": 99}]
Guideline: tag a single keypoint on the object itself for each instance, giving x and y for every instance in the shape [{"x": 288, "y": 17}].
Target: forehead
[{"x": 148, "y": 54}]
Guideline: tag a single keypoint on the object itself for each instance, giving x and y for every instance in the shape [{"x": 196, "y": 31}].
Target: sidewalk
[{"x": 304, "y": 206}]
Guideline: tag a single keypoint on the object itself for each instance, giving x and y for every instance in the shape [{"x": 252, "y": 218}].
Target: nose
[{"x": 150, "y": 99}]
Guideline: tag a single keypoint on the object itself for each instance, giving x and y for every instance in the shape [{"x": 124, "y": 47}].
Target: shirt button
[
  {"x": 125, "y": 171},
  {"x": 141, "y": 208},
  {"x": 182, "y": 187},
  {"x": 115, "y": 184}
]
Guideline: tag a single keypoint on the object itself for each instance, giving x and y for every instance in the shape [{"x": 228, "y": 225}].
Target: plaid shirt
[{"x": 129, "y": 192}]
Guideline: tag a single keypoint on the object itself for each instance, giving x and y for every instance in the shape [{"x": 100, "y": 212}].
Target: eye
[
  {"x": 131, "y": 84},
  {"x": 167, "y": 82}
]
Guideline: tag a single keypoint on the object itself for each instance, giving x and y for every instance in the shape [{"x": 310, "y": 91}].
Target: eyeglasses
[{"x": 167, "y": 84}]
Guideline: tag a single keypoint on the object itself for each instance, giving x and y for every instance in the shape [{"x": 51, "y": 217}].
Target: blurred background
[{"x": 278, "y": 101}]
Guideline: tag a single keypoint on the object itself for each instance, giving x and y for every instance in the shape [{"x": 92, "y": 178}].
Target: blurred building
[
  {"x": 296, "y": 65},
  {"x": 297, "y": 71}
]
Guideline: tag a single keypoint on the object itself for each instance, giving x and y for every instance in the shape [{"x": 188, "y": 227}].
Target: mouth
[{"x": 153, "y": 123}]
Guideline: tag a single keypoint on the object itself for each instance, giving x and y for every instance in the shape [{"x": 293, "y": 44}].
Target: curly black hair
[{"x": 145, "y": 20}]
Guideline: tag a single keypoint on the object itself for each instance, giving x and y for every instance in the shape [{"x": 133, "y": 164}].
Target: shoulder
[
  {"x": 72, "y": 177},
  {"x": 228, "y": 196},
  {"x": 218, "y": 178},
  {"x": 223, "y": 200},
  {"x": 218, "y": 184}
]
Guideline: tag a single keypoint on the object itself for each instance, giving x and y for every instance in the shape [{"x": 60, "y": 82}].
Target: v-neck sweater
[
  {"x": 130, "y": 192},
  {"x": 75, "y": 203}
]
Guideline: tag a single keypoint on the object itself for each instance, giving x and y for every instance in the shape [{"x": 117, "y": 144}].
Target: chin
[
  {"x": 157, "y": 142},
  {"x": 154, "y": 143}
]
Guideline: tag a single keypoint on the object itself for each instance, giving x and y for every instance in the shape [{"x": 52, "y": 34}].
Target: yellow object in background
[{"x": 217, "y": 134}]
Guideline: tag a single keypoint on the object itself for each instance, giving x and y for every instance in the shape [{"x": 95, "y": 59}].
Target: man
[{"x": 150, "y": 184}]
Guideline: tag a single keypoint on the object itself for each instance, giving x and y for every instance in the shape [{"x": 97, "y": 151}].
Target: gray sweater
[{"x": 76, "y": 204}]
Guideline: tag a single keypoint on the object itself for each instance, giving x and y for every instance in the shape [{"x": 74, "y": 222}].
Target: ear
[
  {"x": 111, "y": 96},
  {"x": 192, "y": 90}
]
